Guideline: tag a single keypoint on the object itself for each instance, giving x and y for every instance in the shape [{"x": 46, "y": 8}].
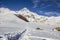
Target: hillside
[{"x": 27, "y": 24}]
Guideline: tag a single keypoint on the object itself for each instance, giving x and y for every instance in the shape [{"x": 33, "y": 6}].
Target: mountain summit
[
  {"x": 34, "y": 17},
  {"x": 31, "y": 16}
]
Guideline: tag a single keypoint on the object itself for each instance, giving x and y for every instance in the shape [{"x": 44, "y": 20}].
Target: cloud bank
[{"x": 50, "y": 13}]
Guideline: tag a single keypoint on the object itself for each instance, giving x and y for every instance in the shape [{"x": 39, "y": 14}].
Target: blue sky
[{"x": 42, "y": 7}]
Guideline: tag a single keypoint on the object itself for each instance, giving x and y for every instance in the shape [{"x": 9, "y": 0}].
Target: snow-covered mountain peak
[
  {"x": 32, "y": 17},
  {"x": 25, "y": 9}
]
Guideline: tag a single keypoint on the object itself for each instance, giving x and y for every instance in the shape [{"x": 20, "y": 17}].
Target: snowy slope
[
  {"x": 11, "y": 25},
  {"x": 10, "y": 22},
  {"x": 38, "y": 28}
]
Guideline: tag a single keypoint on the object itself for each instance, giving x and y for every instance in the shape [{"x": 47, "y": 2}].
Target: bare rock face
[
  {"x": 57, "y": 29},
  {"x": 22, "y": 17}
]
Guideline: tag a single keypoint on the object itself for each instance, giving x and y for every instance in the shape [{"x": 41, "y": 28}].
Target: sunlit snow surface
[{"x": 11, "y": 26}]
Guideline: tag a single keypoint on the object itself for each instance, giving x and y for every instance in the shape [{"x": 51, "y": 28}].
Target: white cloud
[
  {"x": 35, "y": 5},
  {"x": 52, "y": 13},
  {"x": 46, "y": 6},
  {"x": 49, "y": 13},
  {"x": 35, "y": 2}
]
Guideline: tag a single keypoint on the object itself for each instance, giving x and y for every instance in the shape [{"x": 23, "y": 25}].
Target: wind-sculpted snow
[{"x": 15, "y": 37}]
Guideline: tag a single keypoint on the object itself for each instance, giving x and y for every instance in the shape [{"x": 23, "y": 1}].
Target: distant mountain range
[{"x": 33, "y": 17}]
